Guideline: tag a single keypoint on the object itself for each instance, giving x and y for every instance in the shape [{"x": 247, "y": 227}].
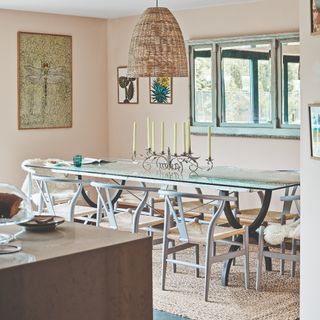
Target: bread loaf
[{"x": 9, "y": 205}]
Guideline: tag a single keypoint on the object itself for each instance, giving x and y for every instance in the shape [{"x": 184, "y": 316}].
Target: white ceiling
[{"x": 107, "y": 8}]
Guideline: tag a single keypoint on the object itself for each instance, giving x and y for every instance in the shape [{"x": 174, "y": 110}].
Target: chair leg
[
  {"x": 246, "y": 258},
  {"x": 282, "y": 261},
  {"x": 214, "y": 249},
  {"x": 99, "y": 213},
  {"x": 174, "y": 266},
  {"x": 260, "y": 258},
  {"x": 197, "y": 260},
  {"x": 164, "y": 262},
  {"x": 207, "y": 270},
  {"x": 294, "y": 252}
]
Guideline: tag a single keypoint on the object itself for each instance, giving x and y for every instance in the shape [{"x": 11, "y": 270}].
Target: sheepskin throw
[{"x": 276, "y": 233}]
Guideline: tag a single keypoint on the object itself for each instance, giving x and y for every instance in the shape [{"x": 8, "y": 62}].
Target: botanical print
[
  {"x": 315, "y": 16},
  {"x": 45, "y": 80},
  {"x": 127, "y": 87},
  {"x": 161, "y": 90},
  {"x": 315, "y": 130}
]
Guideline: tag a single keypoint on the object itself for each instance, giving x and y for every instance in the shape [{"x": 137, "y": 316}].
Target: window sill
[{"x": 279, "y": 133}]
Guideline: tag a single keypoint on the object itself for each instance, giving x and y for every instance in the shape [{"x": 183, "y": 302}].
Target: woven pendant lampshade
[{"x": 157, "y": 47}]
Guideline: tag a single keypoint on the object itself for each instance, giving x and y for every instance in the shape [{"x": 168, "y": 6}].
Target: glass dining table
[{"x": 225, "y": 179}]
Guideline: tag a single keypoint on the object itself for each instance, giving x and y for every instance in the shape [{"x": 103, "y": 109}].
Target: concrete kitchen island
[{"x": 77, "y": 272}]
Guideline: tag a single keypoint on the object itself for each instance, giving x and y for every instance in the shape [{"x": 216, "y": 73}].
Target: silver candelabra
[{"x": 173, "y": 162}]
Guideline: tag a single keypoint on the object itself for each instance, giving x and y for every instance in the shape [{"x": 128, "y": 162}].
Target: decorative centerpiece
[{"x": 171, "y": 161}]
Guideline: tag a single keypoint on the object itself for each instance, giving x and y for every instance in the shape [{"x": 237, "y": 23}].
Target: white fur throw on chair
[{"x": 276, "y": 233}]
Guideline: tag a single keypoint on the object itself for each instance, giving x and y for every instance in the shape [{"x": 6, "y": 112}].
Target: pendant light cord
[{"x": 157, "y": 3}]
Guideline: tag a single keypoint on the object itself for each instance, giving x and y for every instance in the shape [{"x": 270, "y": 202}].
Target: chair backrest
[
  {"x": 289, "y": 198},
  {"x": 42, "y": 182},
  {"x": 104, "y": 192},
  {"x": 29, "y": 187},
  {"x": 218, "y": 203}
]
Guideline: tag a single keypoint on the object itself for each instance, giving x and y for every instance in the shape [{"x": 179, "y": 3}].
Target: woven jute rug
[{"x": 278, "y": 298}]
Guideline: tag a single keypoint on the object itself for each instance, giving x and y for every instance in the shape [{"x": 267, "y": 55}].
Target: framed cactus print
[
  {"x": 44, "y": 81},
  {"x": 127, "y": 87},
  {"x": 160, "y": 90}
]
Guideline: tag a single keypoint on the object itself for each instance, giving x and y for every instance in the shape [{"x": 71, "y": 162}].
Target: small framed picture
[
  {"x": 314, "y": 119},
  {"x": 127, "y": 87},
  {"x": 160, "y": 89},
  {"x": 315, "y": 16}
]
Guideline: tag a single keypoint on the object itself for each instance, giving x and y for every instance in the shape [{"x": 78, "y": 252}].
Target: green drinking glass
[{"x": 77, "y": 160}]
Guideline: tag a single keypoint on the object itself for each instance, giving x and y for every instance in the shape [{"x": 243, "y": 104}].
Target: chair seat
[
  {"x": 57, "y": 197},
  {"x": 125, "y": 221},
  {"x": 249, "y": 215},
  {"x": 130, "y": 200},
  {"x": 196, "y": 207},
  {"x": 198, "y": 232},
  {"x": 63, "y": 210}
]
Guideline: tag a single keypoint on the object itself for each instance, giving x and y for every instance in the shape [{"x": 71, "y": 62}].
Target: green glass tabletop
[{"x": 219, "y": 177}]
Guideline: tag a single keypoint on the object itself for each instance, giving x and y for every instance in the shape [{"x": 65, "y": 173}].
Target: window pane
[
  {"x": 291, "y": 83},
  {"x": 265, "y": 107},
  {"x": 246, "y": 83},
  {"x": 203, "y": 85},
  {"x": 237, "y": 92}
]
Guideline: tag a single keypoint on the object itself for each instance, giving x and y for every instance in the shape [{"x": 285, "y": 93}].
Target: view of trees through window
[
  {"x": 291, "y": 83},
  {"x": 246, "y": 87},
  {"x": 203, "y": 85}
]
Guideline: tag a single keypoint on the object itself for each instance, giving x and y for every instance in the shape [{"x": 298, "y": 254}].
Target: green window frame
[
  {"x": 286, "y": 60},
  {"x": 279, "y": 93}
]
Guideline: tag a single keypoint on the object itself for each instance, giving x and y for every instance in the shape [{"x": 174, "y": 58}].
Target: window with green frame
[{"x": 246, "y": 86}]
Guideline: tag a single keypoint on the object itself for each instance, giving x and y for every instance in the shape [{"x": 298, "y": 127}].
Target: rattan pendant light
[{"x": 157, "y": 47}]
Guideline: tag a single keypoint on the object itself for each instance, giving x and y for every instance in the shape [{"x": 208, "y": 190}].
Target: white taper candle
[
  {"x": 153, "y": 137},
  {"x": 175, "y": 131},
  {"x": 134, "y": 137},
  {"x": 148, "y": 132},
  {"x": 209, "y": 143},
  {"x": 162, "y": 136}
]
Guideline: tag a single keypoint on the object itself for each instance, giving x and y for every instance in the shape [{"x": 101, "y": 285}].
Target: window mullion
[
  {"x": 276, "y": 84},
  {"x": 214, "y": 71},
  {"x": 254, "y": 89}
]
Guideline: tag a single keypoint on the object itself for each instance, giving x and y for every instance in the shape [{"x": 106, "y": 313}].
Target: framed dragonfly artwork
[{"x": 44, "y": 81}]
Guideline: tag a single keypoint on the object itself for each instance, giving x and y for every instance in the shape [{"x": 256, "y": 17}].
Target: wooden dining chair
[
  {"x": 246, "y": 216},
  {"x": 60, "y": 192},
  {"x": 71, "y": 210},
  {"x": 279, "y": 237},
  {"x": 199, "y": 232},
  {"x": 134, "y": 219}
]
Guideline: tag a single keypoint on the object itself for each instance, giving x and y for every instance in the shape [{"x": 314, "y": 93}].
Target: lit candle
[
  {"x": 209, "y": 143},
  {"x": 134, "y": 137},
  {"x": 175, "y": 129},
  {"x": 162, "y": 137},
  {"x": 189, "y": 138},
  {"x": 184, "y": 138},
  {"x": 148, "y": 132},
  {"x": 153, "y": 136}
]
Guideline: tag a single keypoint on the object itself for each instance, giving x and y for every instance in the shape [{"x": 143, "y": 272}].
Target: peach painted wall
[
  {"x": 89, "y": 132},
  {"x": 262, "y": 17},
  {"x": 310, "y": 170}
]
